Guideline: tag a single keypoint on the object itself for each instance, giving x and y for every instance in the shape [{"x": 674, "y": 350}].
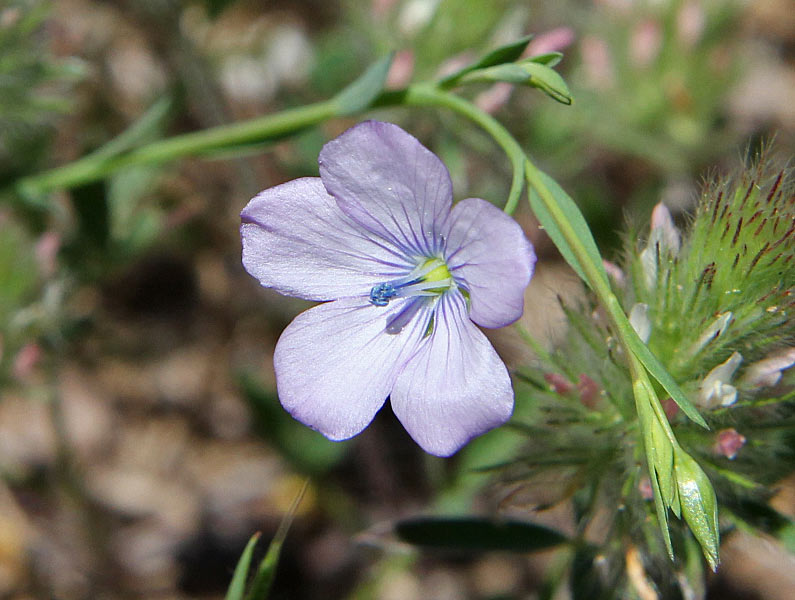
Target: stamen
[
  {"x": 382, "y": 293},
  {"x": 424, "y": 288},
  {"x": 429, "y": 278}
]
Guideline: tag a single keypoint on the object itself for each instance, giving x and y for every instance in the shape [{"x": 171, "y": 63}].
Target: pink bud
[
  {"x": 494, "y": 98},
  {"x": 560, "y": 385},
  {"x": 26, "y": 360},
  {"x": 728, "y": 443},
  {"x": 401, "y": 70},
  {"x": 614, "y": 271},
  {"x": 670, "y": 408},
  {"x": 690, "y": 23},
  {"x": 47, "y": 248},
  {"x": 588, "y": 389},
  {"x": 645, "y": 489},
  {"x": 644, "y": 46},
  {"x": 661, "y": 219},
  {"x": 553, "y": 40},
  {"x": 382, "y": 7},
  {"x": 597, "y": 62},
  {"x": 454, "y": 64}
]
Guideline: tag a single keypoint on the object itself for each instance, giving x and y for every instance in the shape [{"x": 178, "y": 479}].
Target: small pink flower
[{"x": 728, "y": 443}]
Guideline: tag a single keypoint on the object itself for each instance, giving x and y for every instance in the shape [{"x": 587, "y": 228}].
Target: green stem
[
  {"x": 94, "y": 167},
  {"x": 431, "y": 95},
  {"x": 268, "y": 128}
]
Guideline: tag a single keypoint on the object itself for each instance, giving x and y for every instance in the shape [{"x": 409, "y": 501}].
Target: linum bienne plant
[{"x": 675, "y": 375}]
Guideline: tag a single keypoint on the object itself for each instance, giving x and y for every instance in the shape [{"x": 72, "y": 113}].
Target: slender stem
[
  {"x": 431, "y": 95},
  {"x": 269, "y": 127}
]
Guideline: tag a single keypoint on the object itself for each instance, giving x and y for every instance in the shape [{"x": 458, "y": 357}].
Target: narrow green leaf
[
  {"x": 504, "y": 54},
  {"x": 148, "y": 127},
  {"x": 473, "y": 534},
  {"x": 663, "y": 456},
  {"x": 266, "y": 571},
  {"x": 548, "y": 80},
  {"x": 646, "y": 418},
  {"x": 238, "y": 585},
  {"x": 657, "y": 370},
  {"x": 699, "y": 505},
  {"x": 573, "y": 216},
  {"x": 549, "y": 59},
  {"x": 360, "y": 94}
]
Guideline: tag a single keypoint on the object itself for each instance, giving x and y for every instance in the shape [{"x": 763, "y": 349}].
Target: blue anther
[{"x": 382, "y": 293}]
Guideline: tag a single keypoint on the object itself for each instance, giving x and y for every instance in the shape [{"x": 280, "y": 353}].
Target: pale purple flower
[{"x": 403, "y": 277}]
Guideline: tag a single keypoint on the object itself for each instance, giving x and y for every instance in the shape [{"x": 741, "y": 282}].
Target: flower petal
[
  {"x": 387, "y": 181},
  {"x": 455, "y": 387},
  {"x": 297, "y": 241},
  {"x": 488, "y": 251},
  {"x": 335, "y": 364}
]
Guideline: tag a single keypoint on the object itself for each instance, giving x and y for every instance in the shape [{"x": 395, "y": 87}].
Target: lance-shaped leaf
[
  {"x": 360, "y": 94},
  {"x": 474, "y": 534},
  {"x": 653, "y": 365},
  {"x": 648, "y": 420},
  {"x": 503, "y": 54},
  {"x": 266, "y": 571},
  {"x": 549, "y": 59},
  {"x": 572, "y": 215},
  {"x": 238, "y": 585}
]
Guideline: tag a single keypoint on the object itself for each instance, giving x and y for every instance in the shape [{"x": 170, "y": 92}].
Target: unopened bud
[
  {"x": 639, "y": 319},
  {"x": 728, "y": 443},
  {"x": 715, "y": 389},
  {"x": 558, "y": 383},
  {"x": 768, "y": 371}
]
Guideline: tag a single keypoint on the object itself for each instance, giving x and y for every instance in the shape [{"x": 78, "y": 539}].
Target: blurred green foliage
[{"x": 33, "y": 86}]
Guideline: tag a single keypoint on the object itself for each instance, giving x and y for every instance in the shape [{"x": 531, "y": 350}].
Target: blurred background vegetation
[{"x": 141, "y": 441}]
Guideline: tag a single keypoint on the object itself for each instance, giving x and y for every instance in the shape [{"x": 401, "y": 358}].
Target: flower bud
[
  {"x": 715, "y": 390},
  {"x": 728, "y": 442},
  {"x": 767, "y": 372},
  {"x": 639, "y": 319},
  {"x": 699, "y": 505}
]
